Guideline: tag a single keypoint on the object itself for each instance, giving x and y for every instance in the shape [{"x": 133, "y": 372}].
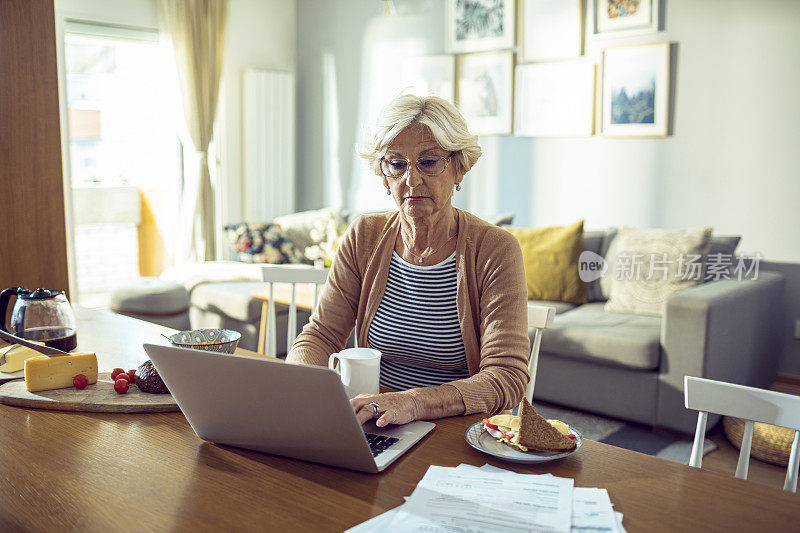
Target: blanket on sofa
[{"x": 190, "y": 275}]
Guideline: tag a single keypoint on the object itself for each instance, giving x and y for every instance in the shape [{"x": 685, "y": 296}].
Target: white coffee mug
[{"x": 360, "y": 369}]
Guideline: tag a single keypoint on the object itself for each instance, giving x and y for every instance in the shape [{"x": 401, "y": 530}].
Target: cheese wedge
[
  {"x": 562, "y": 427},
  {"x": 15, "y": 357},
  {"x": 46, "y": 373}
]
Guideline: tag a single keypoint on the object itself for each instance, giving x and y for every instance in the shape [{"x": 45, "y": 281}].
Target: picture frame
[
  {"x": 479, "y": 25},
  {"x": 485, "y": 91},
  {"x": 550, "y": 29},
  {"x": 625, "y": 17},
  {"x": 635, "y": 90},
  {"x": 555, "y": 99},
  {"x": 430, "y": 75}
]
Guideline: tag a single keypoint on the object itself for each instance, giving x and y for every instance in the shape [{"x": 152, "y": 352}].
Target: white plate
[{"x": 482, "y": 441}]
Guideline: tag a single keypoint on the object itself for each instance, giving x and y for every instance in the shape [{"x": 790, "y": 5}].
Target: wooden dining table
[{"x": 77, "y": 471}]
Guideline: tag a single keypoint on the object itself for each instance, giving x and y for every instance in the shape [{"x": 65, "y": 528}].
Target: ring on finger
[{"x": 375, "y": 409}]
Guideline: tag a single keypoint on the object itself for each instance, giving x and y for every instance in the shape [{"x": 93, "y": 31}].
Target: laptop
[{"x": 269, "y": 406}]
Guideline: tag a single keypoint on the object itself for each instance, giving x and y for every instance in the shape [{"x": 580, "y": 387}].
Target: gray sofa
[
  {"x": 616, "y": 364},
  {"x": 632, "y": 366}
]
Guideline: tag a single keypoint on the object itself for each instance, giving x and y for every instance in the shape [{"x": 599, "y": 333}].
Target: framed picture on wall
[
  {"x": 635, "y": 90},
  {"x": 550, "y": 29},
  {"x": 480, "y": 25},
  {"x": 554, "y": 99},
  {"x": 485, "y": 91},
  {"x": 428, "y": 75},
  {"x": 611, "y": 17}
]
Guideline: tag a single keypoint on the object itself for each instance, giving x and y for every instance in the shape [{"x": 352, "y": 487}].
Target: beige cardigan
[{"x": 491, "y": 301}]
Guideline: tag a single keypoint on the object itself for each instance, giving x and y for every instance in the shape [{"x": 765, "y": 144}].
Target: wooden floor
[{"x": 724, "y": 459}]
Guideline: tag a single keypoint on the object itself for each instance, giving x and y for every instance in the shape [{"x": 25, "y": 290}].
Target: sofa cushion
[
  {"x": 149, "y": 296},
  {"x": 233, "y": 299},
  {"x": 550, "y": 256},
  {"x": 593, "y": 241},
  {"x": 561, "y": 307},
  {"x": 503, "y": 219},
  {"x": 647, "y": 266},
  {"x": 593, "y": 334},
  {"x": 597, "y": 242},
  {"x": 299, "y": 226},
  {"x": 263, "y": 243},
  {"x": 721, "y": 259},
  {"x": 724, "y": 244}
]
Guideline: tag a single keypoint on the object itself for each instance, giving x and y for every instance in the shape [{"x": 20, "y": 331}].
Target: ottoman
[{"x": 153, "y": 300}]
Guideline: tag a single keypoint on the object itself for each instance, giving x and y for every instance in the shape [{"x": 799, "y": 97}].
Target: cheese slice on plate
[{"x": 46, "y": 373}]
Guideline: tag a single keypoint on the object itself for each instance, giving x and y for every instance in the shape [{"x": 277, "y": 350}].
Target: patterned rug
[{"x": 628, "y": 435}]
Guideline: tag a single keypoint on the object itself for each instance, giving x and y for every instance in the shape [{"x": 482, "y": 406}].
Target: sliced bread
[{"x": 537, "y": 434}]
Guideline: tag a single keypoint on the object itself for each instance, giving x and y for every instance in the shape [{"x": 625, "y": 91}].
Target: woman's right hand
[{"x": 393, "y": 408}]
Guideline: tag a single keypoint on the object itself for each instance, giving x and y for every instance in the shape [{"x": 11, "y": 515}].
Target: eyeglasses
[{"x": 429, "y": 165}]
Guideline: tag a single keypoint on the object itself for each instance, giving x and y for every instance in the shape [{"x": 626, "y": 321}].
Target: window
[{"x": 124, "y": 154}]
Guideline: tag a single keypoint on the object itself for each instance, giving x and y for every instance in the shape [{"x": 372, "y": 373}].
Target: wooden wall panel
[{"x": 33, "y": 239}]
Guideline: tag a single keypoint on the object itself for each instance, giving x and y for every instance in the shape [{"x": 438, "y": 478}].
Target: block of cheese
[
  {"x": 15, "y": 357},
  {"x": 46, "y": 373}
]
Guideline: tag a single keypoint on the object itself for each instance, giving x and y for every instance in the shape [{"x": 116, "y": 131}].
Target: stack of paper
[{"x": 470, "y": 498}]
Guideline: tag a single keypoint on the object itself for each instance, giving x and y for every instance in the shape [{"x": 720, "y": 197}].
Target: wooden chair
[
  {"x": 539, "y": 318},
  {"x": 292, "y": 275},
  {"x": 750, "y": 404}
]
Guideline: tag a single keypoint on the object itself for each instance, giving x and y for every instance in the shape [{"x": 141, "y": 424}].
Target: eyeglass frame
[{"x": 416, "y": 163}]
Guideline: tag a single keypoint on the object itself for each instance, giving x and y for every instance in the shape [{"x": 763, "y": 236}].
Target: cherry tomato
[
  {"x": 490, "y": 425},
  {"x": 80, "y": 381},
  {"x": 122, "y": 375},
  {"x": 132, "y": 375},
  {"x": 121, "y": 385},
  {"x": 116, "y": 372}
]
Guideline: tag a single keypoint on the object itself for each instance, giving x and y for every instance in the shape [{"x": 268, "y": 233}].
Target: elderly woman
[{"x": 438, "y": 291}]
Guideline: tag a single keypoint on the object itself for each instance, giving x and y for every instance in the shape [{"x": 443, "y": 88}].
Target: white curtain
[{"x": 197, "y": 29}]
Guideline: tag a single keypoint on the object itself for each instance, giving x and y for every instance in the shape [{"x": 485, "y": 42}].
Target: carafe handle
[{"x": 5, "y": 296}]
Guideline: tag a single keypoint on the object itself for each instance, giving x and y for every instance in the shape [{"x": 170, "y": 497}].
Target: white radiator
[{"x": 268, "y": 144}]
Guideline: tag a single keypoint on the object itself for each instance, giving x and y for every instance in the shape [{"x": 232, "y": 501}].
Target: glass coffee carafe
[{"x": 40, "y": 315}]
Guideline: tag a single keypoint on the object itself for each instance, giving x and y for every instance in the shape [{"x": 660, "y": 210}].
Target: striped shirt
[{"x": 416, "y": 326}]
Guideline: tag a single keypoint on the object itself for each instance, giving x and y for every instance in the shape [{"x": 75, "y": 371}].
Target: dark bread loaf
[{"x": 148, "y": 380}]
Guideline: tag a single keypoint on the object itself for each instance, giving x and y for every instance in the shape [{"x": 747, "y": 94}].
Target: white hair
[{"x": 445, "y": 122}]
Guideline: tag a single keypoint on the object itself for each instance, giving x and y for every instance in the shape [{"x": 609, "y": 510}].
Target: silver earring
[
  {"x": 458, "y": 186},
  {"x": 388, "y": 191}
]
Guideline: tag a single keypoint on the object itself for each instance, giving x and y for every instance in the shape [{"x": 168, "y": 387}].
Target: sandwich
[{"x": 530, "y": 431}]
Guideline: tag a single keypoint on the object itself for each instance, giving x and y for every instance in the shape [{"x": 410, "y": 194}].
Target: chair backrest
[
  {"x": 540, "y": 317},
  {"x": 750, "y": 404},
  {"x": 293, "y": 275}
]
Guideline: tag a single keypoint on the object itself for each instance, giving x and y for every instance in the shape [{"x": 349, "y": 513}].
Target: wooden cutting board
[{"x": 98, "y": 398}]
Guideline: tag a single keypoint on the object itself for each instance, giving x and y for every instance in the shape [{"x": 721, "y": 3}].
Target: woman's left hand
[{"x": 393, "y": 408}]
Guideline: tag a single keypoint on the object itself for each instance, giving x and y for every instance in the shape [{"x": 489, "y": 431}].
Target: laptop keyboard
[{"x": 379, "y": 443}]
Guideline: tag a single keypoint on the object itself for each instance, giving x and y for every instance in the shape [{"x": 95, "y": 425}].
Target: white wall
[
  {"x": 330, "y": 39},
  {"x": 261, "y": 34},
  {"x": 731, "y": 162}
]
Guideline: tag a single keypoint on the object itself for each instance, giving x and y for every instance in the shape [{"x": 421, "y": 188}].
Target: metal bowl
[{"x": 210, "y": 340}]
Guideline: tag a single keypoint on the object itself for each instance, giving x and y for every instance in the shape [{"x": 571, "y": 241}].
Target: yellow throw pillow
[{"x": 551, "y": 262}]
